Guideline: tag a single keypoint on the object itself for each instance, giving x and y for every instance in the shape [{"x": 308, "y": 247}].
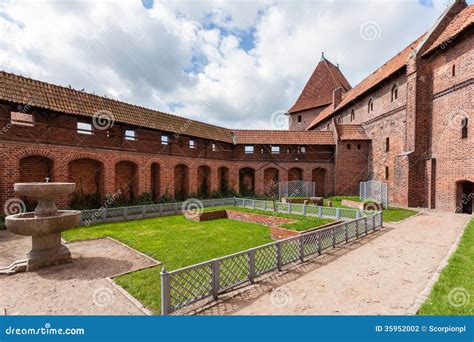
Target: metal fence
[
  {"x": 191, "y": 284},
  {"x": 104, "y": 214},
  {"x": 374, "y": 190},
  {"x": 296, "y": 188}
]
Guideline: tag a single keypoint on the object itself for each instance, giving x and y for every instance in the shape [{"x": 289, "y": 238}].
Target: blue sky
[{"x": 232, "y": 63}]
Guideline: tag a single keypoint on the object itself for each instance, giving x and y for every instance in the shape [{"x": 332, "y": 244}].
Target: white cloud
[{"x": 185, "y": 56}]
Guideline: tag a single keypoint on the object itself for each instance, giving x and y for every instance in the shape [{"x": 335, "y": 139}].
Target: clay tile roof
[
  {"x": 386, "y": 70},
  {"x": 461, "y": 21},
  {"x": 19, "y": 89},
  {"x": 351, "y": 132},
  {"x": 320, "y": 86},
  {"x": 284, "y": 137}
]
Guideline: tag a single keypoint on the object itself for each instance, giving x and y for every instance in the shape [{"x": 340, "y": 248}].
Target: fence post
[
  {"x": 338, "y": 213},
  {"x": 319, "y": 243},
  {"x": 125, "y": 212},
  {"x": 346, "y": 232},
  {"x": 304, "y": 209},
  {"x": 264, "y": 205},
  {"x": 176, "y": 208},
  {"x": 165, "y": 292},
  {"x": 234, "y": 202},
  {"x": 278, "y": 245},
  {"x": 320, "y": 211},
  {"x": 357, "y": 229},
  {"x": 252, "y": 265},
  {"x": 289, "y": 208},
  {"x": 333, "y": 237},
  {"x": 160, "y": 209},
  {"x": 302, "y": 248},
  {"x": 253, "y": 204},
  {"x": 104, "y": 215},
  {"x": 358, "y": 214},
  {"x": 374, "y": 221},
  {"x": 215, "y": 278},
  {"x": 366, "y": 229}
]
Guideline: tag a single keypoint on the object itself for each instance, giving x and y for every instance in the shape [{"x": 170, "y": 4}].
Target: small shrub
[{"x": 82, "y": 201}]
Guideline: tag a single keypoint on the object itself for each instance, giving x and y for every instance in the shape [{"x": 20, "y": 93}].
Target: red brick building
[
  {"x": 417, "y": 110},
  {"x": 407, "y": 123}
]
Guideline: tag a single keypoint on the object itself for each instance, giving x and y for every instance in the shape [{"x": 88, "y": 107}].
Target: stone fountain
[{"x": 44, "y": 225}]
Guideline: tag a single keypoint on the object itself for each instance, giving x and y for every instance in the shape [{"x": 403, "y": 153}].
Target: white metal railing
[
  {"x": 191, "y": 284},
  {"x": 104, "y": 214}
]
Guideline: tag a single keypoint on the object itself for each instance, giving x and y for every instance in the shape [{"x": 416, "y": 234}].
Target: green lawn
[
  {"x": 392, "y": 214},
  {"x": 453, "y": 294},
  {"x": 302, "y": 222},
  {"x": 176, "y": 242}
]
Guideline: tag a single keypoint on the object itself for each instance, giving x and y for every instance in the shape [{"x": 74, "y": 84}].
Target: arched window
[
  {"x": 394, "y": 92},
  {"x": 370, "y": 106},
  {"x": 453, "y": 70},
  {"x": 464, "y": 124},
  {"x": 387, "y": 144},
  {"x": 339, "y": 119},
  {"x": 353, "y": 115},
  {"x": 328, "y": 127},
  {"x": 386, "y": 172}
]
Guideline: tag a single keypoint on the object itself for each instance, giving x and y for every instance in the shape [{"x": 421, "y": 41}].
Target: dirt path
[
  {"x": 79, "y": 288},
  {"x": 380, "y": 274}
]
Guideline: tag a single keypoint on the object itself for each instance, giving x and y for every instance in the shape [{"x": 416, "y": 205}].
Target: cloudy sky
[{"x": 231, "y": 63}]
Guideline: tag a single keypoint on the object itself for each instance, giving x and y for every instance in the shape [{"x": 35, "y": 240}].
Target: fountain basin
[
  {"x": 30, "y": 225},
  {"x": 44, "y": 190}
]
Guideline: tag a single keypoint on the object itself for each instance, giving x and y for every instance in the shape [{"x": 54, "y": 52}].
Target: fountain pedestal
[{"x": 45, "y": 224}]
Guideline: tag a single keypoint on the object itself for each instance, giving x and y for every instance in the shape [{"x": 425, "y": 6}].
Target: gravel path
[
  {"x": 79, "y": 288},
  {"x": 381, "y": 274}
]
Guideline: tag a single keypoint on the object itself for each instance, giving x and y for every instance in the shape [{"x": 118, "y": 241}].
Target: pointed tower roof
[{"x": 320, "y": 86}]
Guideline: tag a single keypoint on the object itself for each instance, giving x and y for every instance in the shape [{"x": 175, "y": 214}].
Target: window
[
  {"x": 84, "y": 128},
  {"x": 386, "y": 172},
  {"x": 387, "y": 144},
  {"x": 464, "y": 124},
  {"x": 370, "y": 106},
  {"x": 394, "y": 92},
  {"x": 248, "y": 149},
  {"x": 353, "y": 115},
  {"x": 299, "y": 119},
  {"x": 192, "y": 143},
  {"x": 22, "y": 119},
  {"x": 301, "y": 149},
  {"x": 164, "y": 140},
  {"x": 358, "y": 146},
  {"x": 275, "y": 149},
  {"x": 348, "y": 146},
  {"x": 339, "y": 119},
  {"x": 214, "y": 147},
  {"x": 453, "y": 70},
  {"x": 328, "y": 127},
  {"x": 130, "y": 135}
]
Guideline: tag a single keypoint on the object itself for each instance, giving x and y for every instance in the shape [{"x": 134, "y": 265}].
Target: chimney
[{"x": 337, "y": 97}]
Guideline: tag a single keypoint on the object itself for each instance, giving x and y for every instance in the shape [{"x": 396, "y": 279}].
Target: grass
[
  {"x": 176, "y": 242},
  {"x": 456, "y": 282},
  {"x": 302, "y": 222},
  {"x": 392, "y": 214}
]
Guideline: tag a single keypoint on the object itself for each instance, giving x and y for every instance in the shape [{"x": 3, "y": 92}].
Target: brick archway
[
  {"x": 246, "y": 181},
  {"x": 126, "y": 179},
  {"x": 270, "y": 181},
  {"x": 155, "y": 181},
  {"x": 88, "y": 174},
  {"x": 34, "y": 168},
  {"x": 181, "y": 182},
  {"x": 464, "y": 196},
  {"x": 319, "y": 179},
  {"x": 204, "y": 181},
  {"x": 295, "y": 174},
  {"x": 223, "y": 178}
]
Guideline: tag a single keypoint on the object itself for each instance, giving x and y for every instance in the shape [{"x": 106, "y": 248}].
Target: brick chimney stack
[{"x": 337, "y": 96}]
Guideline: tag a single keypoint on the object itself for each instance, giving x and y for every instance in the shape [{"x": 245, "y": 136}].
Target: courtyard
[{"x": 116, "y": 267}]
